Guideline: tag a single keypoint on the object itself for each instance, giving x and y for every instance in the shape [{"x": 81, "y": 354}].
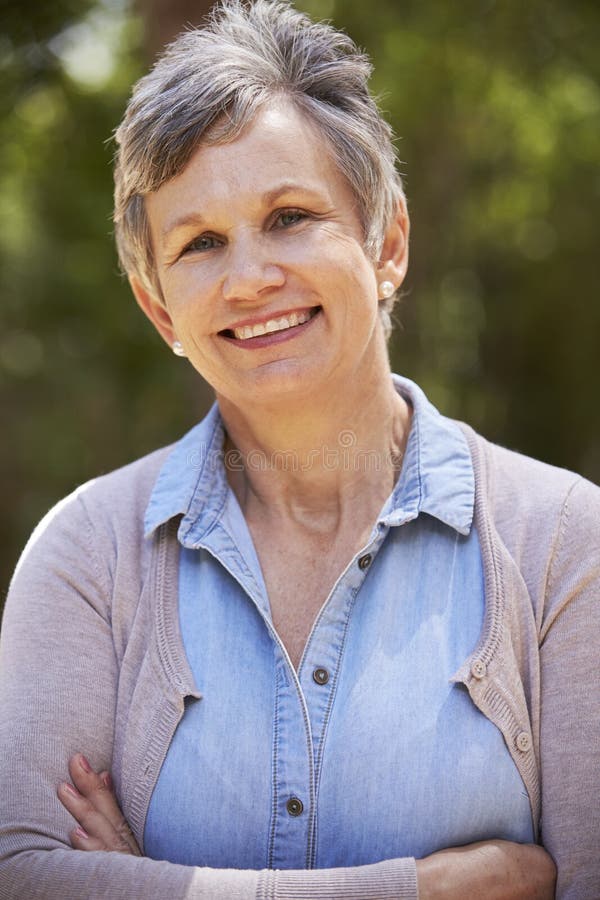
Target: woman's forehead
[
  {"x": 278, "y": 151},
  {"x": 279, "y": 126}
]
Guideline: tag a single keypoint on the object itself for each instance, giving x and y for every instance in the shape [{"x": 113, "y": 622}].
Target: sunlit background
[{"x": 497, "y": 109}]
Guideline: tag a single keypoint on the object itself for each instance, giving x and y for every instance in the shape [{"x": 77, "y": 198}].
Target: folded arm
[
  {"x": 59, "y": 676},
  {"x": 497, "y": 870}
]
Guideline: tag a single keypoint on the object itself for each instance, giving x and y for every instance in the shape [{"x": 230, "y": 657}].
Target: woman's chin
[{"x": 278, "y": 382}]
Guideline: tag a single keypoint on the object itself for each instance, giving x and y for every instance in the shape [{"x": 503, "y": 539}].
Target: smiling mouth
[{"x": 282, "y": 323}]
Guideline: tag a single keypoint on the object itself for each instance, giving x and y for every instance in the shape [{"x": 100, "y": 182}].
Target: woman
[{"x": 329, "y": 631}]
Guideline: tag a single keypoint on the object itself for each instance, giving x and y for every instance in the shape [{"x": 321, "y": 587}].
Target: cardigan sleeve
[
  {"x": 570, "y": 698},
  {"x": 59, "y": 675}
]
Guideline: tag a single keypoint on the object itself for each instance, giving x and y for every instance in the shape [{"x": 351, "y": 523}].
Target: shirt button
[
  {"x": 365, "y": 561},
  {"x": 294, "y": 806},
  {"x": 523, "y": 742},
  {"x": 478, "y": 669},
  {"x": 321, "y": 676}
]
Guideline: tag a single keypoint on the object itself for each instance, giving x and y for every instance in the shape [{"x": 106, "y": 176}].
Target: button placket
[
  {"x": 320, "y": 667},
  {"x": 292, "y": 768}
]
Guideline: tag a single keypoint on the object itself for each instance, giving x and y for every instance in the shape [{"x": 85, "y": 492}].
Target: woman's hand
[
  {"x": 92, "y": 803},
  {"x": 496, "y": 870}
]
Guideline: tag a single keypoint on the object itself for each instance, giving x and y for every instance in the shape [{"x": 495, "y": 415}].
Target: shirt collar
[
  {"x": 437, "y": 475},
  {"x": 192, "y": 480},
  {"x": 436, "y": 478}
]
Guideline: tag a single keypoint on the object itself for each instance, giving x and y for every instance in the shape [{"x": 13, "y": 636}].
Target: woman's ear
[
  {"x": 393, "y": 260},
  {"x": 154, "y": 308}
]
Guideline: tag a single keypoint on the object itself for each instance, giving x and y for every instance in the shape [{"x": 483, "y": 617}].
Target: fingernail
[
  {"x": 108, "y": 780},
  {"x": 84, "y": 764},
  {"x": 82, "y": 834},
  {"x": 71, "y": 789}
]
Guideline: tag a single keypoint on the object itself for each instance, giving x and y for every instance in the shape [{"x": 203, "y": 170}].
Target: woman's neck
[{"x": 318, "y": 465}]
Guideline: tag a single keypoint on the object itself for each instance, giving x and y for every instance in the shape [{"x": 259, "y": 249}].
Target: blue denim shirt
[{"x": 369, "y": 751}]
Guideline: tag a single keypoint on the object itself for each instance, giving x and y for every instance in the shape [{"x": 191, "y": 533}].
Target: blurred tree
[
  {"x": 498, "y": 106},
  {"x": 164, "y": 19},
  {"x": 498, "y": 109},
  {"x": 84, "y": 384}
]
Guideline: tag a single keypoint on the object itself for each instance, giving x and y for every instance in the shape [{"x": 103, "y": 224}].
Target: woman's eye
[
  {"x": 204, "y": 242},
  {"x": 290, "y": 217}
]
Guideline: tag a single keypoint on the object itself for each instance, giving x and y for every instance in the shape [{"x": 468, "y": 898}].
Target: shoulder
[
  {"x": 124, "y": 491},
  {"x": 517, "y": 489},
  {"x": 545, "y": 517},
  {"x": 98, "y": 521},
  {"x": 120, "y": 495}
]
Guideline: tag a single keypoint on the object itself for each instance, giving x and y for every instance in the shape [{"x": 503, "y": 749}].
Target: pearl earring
[
  {"x": 177, "y": 348},
  {"x": 386, "y": 289}
]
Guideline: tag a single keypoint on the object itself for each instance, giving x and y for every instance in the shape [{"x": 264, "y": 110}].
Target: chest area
[
  {"x": 300, "y": 577},
  {"x": 298, "y": 586},
  {"x": 381, "y": 754}
]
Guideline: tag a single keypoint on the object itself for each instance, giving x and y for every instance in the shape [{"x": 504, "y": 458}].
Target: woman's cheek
[
  {"x": 186, "y": 287},
  {"x": 322, "y": 245}
]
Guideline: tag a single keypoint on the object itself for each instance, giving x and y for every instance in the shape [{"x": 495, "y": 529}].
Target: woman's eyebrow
[
  {"x": 185, "y": 221},
  {"x": 289, "y": 187}
]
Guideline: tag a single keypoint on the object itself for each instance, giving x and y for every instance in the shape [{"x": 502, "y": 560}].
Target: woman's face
[{"x": 259, "y": 252}]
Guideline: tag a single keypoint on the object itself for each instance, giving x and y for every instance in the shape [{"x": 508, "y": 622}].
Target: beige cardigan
[{"x": 91, "y": 659}]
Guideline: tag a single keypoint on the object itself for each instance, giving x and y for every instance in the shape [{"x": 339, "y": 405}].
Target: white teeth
[{"x": 249, "y": 331}]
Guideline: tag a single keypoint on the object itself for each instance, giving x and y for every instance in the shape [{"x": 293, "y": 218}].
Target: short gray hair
[{"x": 210, "y": 83}]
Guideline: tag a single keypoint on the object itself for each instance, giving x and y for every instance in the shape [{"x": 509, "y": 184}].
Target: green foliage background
[{"x": 497, "y": 105}]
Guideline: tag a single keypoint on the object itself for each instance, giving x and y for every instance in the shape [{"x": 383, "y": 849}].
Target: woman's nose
[{"x": 251, "y": 269}]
